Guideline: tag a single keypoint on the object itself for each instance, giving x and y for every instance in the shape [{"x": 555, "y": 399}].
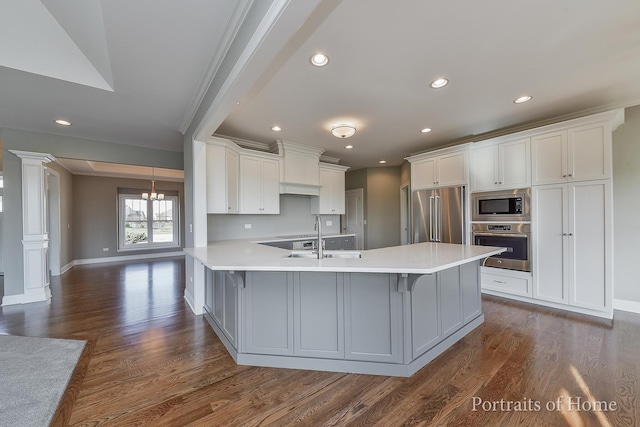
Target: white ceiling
[
  {"x": 138, "y": 77},
  {"x": 93, "y": 168}
]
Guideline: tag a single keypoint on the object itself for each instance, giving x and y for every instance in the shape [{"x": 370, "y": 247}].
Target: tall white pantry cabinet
[{"x": 571, "y": 214}]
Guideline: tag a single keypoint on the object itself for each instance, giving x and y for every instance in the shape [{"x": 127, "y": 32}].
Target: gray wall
[
  {"x": 295, "y": 218},
  {"x": 381, "y": 188},
  {"x": 66, "y": 213},
  {"x": 95, "y": 214},
  {"x": 626, "y": 206},
  {"x": 59, "y": 146}
]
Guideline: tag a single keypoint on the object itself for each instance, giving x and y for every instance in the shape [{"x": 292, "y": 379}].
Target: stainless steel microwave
[{"x": 506, "y": 205}]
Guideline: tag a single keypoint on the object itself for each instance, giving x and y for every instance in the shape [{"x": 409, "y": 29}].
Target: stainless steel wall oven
[{"x": 515, "y": 237}]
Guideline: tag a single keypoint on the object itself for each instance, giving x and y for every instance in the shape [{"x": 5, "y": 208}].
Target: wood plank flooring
[{"x": 155, "y": 363}]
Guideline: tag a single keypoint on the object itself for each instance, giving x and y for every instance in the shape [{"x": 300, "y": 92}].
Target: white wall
[{"x": 626, "y": 205}]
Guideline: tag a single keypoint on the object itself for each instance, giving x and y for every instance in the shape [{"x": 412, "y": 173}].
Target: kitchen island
[{"x": 389, "y": 312}]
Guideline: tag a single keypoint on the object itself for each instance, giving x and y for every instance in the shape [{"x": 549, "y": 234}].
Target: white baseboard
[
  {"x": 626, "y": 305},
  {"x": 126, "y": 258},
  {"x": 188, "y": 297},
  {"x": 41, "y": 296}
]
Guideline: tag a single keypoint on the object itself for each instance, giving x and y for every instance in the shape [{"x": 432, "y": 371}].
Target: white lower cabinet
[
  {"x": 508, "y": 281},
  {"x": 572, "y": 244}
]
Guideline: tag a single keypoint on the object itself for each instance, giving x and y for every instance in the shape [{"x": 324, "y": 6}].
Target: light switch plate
[
  {"x": 329, "y": 223},
  {"x": 247, "y": 226}
]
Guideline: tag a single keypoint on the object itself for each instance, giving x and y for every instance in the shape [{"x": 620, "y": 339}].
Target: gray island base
[
  {"x": 368, "y": 323},
  {"x": 389, "y": 312}
]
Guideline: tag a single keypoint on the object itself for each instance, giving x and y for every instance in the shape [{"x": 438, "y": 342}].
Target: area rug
[{"x": 34, "y": 374}]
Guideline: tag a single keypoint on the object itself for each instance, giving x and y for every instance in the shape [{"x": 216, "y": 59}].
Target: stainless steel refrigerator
[{"x": 438, "y": 215}]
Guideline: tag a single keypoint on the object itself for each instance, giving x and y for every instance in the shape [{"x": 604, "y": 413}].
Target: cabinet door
[
  {"x": 319, "y": 315},
  {"x": 423, "y": 174},
  {"x": 230, "y": 320},
  {"x": 270, "y": 177},
  {"x": 452, "y": 169},
  {"x": 549, "y": 158},
  {"x": 232, "y": 163},
  {"x": 450, "y": 301},
  {"x": 549, "y": 219},
  {"x": 515, "y": 164},
  {"x": 373, "y": 319},
  {"x": 324, "y": 199},
  {"x": 484, "y": 168},
  {"x": 590, "y": 152},
  {"x": 471, "y": 296},
  {"x": 337, "y": 193},
  {"x": 589, "y": 244},
  {"x": 425, "y": 315},
  {"x": 250, "y": 185},
  {"x": 268, "y": 313}
]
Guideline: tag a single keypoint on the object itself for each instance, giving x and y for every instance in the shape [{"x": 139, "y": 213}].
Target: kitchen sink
[{"x": 327, "y": 254}]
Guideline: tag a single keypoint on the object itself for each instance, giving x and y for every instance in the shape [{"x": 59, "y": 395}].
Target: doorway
[
  {"x": 404, "y": 214},
  {"x": 353, "y": 219},
  {"x": 53, "y": 219}
]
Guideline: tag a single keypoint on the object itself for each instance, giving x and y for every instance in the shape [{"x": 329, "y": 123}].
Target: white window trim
[{"x": 147, "y": 246}]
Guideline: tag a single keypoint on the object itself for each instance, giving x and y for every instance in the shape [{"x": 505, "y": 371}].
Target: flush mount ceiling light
[
  {"x": 438, "y": 83},
  {"x": 426, "y": 130},
  {"x": 343, "y": 131},
  {"x": 522, "y": 99},
  {"x": 319, "y": 59},
  {"x": 276, "y": 128},
  {"x": 62, "y": 122}
]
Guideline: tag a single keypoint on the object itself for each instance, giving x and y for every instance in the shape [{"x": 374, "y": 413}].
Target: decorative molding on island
[{"x": 389, "y": 312}]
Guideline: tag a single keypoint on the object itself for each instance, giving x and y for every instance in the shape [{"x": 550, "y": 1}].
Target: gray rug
[{"x": 34, "y": 373}]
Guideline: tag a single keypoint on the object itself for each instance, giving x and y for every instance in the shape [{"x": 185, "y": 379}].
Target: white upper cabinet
[
  {"x": 444, "y": 170},
  {"x": 259, "y": 184},
  {"x": 575, "y": 154},
  {"x": 299, "y": 172},
  {"x": 503, "y": 165},
  {"x": 332, "y": 198},
  {"x": 222, "y": 177}
]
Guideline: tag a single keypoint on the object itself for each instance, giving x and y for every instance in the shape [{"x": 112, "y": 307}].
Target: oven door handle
[{"x": 476, "y": 233}]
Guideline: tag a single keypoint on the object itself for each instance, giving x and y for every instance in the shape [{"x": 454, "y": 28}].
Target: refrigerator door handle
[
  {"x": 438, "y": 220},
  {"x": 431, "y": 224}
]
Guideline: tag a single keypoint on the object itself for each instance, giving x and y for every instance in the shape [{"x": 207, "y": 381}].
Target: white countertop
[{"x": 420, "y": 258}]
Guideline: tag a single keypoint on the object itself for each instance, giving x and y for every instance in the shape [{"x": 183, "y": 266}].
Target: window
[{"x": 147, "y": 224}]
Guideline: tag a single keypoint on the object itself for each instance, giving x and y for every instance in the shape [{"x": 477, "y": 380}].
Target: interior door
[{"x": 353, "y": 219}]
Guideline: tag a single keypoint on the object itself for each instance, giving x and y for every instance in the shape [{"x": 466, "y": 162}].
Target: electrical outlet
[
  {"x": 329, "y": 223},
  {"x": 190, "y": 228},
  {"x": 105, "y": 249},
  {"x": 247, "y": 226}
]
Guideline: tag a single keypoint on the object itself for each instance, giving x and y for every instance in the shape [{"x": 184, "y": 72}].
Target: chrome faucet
[{"x": 318, "y": 228}]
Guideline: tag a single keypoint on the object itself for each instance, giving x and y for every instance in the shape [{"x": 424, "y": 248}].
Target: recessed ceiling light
[
  {"x": 348, "y": 147},
  {"x": 438, "y": 83},
  {"x": 522, "y": 99},
  {"x": 382, "y": 161},
  {"x": 62, "y": 122},
  {"x": 426, "y": 130},
  {"x": 319, "y": 59},
  {"x": 276, "y": 128}
]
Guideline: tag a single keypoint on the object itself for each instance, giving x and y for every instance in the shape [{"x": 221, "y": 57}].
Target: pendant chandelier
[{"x": 153, "y": 195}]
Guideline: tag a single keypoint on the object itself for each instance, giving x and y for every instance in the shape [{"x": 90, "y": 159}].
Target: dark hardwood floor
[{"x": 155, "y": 363}]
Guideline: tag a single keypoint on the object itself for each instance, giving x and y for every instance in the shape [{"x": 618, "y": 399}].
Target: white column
[{"x": 35, "y": 236}]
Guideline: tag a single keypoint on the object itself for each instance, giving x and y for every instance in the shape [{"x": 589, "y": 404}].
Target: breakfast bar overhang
[{"x": 389, "y": 312}]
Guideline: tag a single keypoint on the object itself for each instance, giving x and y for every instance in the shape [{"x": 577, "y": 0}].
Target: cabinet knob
[
  {"x": 496, "y": 183},
  {"x": 570, "y": 174},
  {"x": 564, "y": 176},
  {"x": 499, "y": 182}
]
